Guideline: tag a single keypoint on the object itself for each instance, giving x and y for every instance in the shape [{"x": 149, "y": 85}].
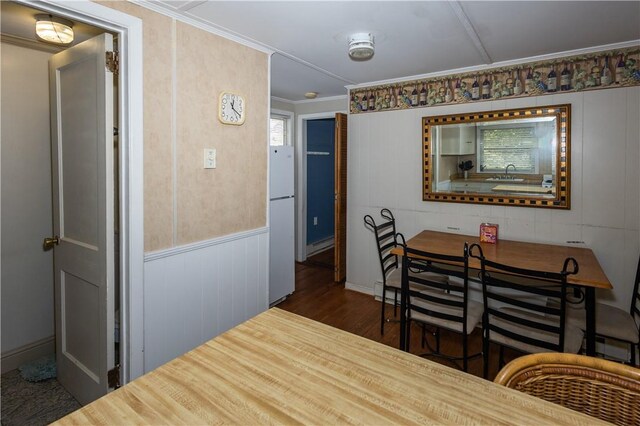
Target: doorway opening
[
  {"x": 29, "y": 213},
  {"x": 31, "y": 160},
  {"x": 310, "y": 207},
  {"x": 320, "y": 191}
]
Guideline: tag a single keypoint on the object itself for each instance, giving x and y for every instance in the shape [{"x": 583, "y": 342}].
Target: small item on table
[{"x": 489, "y": 233}]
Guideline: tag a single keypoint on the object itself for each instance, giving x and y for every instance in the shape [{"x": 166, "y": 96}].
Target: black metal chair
[
  {"x": 436, "y": 302},
  {"x": 391, "y": 273},
  {"x": 614, "y": 323},
  {"x": 525, "y": 309}
]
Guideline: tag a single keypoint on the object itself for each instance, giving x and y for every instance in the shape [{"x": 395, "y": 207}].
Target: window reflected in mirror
[{"x": 513, "y": 157}]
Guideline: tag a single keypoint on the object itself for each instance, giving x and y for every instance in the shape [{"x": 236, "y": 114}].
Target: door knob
[{"x": 48, "y": 243}]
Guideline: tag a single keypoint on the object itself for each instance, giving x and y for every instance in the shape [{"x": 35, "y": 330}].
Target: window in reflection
[{"x": 514, "y": 157}]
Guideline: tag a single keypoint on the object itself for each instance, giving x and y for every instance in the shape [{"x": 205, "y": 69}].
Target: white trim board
[
  {"x": 320, "y": 246},
  {"x": 202, "y": 24},
  {"x": 310, "y": 101},
  {"x": 16, "y": 357},
  {"x": 129, "y": 29},
  {"x": 358, "y": 288},
  {"x": 203, "y": 244},
  {"x": 29, "y": 43},
  {"x": 183, "y": 14}
]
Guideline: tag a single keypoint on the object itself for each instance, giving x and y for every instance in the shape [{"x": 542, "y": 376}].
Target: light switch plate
[{"x": 209, "y": 158}]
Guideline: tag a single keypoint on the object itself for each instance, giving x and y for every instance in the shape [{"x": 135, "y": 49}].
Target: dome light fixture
[
  {"x": 361, "y": 46},
  {"x": 52, "y": 29},
  {"x": 311, "y": 95}
]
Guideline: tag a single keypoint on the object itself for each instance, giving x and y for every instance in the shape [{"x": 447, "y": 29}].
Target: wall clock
[{"x": 231, "y": 109}]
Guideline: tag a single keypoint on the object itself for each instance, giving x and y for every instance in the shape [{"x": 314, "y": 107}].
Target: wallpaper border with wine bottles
[{"x": 600, "y": 70}]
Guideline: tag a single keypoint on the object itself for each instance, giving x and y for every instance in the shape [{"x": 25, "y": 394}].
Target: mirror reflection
[{"x": 514, "y": 157}]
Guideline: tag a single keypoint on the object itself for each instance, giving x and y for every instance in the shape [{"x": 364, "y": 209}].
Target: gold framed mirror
[{"x": 514, "y": 157}]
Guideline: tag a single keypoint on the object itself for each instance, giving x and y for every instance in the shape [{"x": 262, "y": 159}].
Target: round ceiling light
[
  {"x": 361, "y": 46},
  {"x": 53, "y": 29},
  {"x": 311, "y": 95}
]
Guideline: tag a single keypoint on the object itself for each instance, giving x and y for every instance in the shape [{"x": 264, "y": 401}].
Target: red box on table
[{"x": 489, "y": 233}]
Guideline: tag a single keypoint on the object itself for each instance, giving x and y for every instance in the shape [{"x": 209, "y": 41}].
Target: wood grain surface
[
  {"x": 280, "y": 368},
  {"x": 523, "y": 188},
  {"x": 542, "y": 257}
]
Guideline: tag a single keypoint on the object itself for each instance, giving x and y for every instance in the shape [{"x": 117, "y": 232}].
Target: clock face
[{"x": 231, "y": 109}]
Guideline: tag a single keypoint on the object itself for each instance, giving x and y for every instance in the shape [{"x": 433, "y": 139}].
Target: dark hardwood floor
[{"x": 317, "y": 297}]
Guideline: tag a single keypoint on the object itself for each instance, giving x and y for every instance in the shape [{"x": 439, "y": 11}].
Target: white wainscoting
[
  {"x": 385, "y": 171},
  {"x": 196, "y": 292}
]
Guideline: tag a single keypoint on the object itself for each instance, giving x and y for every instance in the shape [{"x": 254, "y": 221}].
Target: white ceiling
[
  {"x": 411, "y": 37},
  {"x": 19, "y": 21}
]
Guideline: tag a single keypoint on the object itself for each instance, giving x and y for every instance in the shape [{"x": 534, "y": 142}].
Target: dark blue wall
[{"x": 320, "y": 178}]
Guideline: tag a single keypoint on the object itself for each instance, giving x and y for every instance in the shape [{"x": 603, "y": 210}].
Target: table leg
[{"x": 590, "y": 306}]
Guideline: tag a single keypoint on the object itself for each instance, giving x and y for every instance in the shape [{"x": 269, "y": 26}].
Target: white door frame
[
  {"x": 129, "y": 29},
  {"x": 301, "y": 179}
]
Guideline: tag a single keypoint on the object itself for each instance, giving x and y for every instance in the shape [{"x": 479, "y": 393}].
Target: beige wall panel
[
  {"x": 232, "y": 197},
  {"x": 158, "y": 151}
]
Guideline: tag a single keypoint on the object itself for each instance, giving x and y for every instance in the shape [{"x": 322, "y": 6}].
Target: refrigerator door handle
[{"x": 281, "y": 198}]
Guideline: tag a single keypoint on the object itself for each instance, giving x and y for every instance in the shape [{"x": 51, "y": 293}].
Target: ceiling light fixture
[
  {"x": 53, "y": 29},
  {"x": 311, "y": 95},
  {"x": 361, "y": 46}
]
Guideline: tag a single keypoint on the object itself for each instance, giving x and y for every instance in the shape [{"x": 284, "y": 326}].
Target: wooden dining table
[
  {"x": 527, "y": 255},
  {"x": 280, "y": 368}
]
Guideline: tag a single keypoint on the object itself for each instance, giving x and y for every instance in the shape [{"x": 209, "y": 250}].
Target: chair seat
[
  {"x": 610, "y": 321},
  {"x": 474, "y": 313},
  {"x": 573, "y": 335},
  {"x": 394, "y": 279}
]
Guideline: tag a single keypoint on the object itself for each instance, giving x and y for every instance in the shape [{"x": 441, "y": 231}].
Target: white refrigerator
[{"x": 281, "y": 223}]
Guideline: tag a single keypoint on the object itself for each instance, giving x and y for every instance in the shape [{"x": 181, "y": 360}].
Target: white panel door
[{"x": 82, "y": 169}]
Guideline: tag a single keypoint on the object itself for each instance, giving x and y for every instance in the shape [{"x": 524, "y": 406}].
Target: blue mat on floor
[{"x": 41, "y": 369}]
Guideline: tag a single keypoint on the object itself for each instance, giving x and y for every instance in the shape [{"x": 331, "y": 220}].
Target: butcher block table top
[{"x": 280, "y": 368}]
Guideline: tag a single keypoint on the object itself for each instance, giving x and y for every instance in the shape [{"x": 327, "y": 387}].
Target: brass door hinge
[
  {"x": 113, "y": 377},
  {"x": 113, "y": 62}
]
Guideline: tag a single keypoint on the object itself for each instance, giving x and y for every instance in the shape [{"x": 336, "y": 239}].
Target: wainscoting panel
[{"x": 194, "y": 293}]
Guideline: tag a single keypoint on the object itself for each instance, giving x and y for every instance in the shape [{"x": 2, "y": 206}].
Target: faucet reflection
[{"x": 506, "y": 171}]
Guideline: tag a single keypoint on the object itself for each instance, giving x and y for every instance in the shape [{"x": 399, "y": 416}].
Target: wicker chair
[{"x": 599, "y": 388}]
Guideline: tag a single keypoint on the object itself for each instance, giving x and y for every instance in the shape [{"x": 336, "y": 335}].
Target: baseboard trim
[
  {"x": 16, "y": 357},
  {"x": 319, "y": 246},
  {"x": 359, "y": 288}
]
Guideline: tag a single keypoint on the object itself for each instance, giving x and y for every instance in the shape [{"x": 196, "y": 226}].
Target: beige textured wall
[
  {"x": 195, "y": 204},
  {"x": 232, "y": 197}
]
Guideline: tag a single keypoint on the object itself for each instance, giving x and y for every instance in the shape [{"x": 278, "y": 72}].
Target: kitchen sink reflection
[{"x": 504, "y": 179}]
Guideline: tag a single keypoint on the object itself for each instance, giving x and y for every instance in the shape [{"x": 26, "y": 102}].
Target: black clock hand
[{"x": 234, "y": 110}]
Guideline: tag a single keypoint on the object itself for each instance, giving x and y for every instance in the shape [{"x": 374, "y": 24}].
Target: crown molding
[
  {"x": 475, "y": 68},
  {"x": 202, "y": 24},
  {"x": 30, "y": 44},
  {"x": 286, "y": 101},
  {"x": 183, "y": 14},
  {"x": 310, "y": 101}
]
